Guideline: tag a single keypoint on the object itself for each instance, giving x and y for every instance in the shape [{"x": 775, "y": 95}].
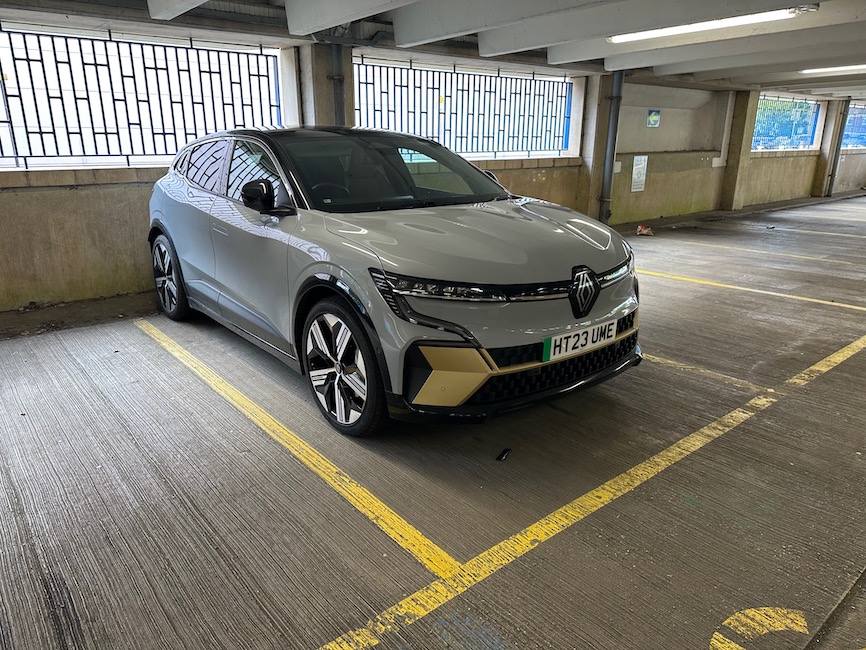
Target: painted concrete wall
[
  {"x": 690, "y": 119},
  {"x": 851, "y": 174},
  {"x": 779, "y": 176},
  {"x": 552, "y": 179},
  {"x": 681, "y": 178},
  {"x": 676, "y": 183},
  {"x": 73, "y": 235}
]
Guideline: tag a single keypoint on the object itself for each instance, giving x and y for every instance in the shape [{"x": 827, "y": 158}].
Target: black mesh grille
[
  {"x": 531, "y": 353},
  {"x": 527, "y": 382},
  {"x": 625, "y": 323},
  {"x": 516, "y": 355}
]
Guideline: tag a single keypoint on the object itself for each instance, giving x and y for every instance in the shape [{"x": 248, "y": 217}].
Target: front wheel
[
  {"x": 341, "y": 368},
  {"x": 168, "y": 280}
]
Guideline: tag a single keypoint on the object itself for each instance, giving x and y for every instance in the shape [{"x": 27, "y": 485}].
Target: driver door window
[{"x": 250, "y": 162}]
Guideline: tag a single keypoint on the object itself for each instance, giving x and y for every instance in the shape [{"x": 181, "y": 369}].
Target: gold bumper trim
[{"x": 457, "y": 373}]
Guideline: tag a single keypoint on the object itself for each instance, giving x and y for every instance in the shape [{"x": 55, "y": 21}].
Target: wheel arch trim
[{"x": 305, "y": 300}]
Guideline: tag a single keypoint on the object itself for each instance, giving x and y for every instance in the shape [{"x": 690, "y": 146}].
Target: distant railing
[
  {"x": 854, "y": 136},
  {"x": 67, "y": 100},
  {"x": 784, "y": 123},
  {"x": 469, "y": 112}
]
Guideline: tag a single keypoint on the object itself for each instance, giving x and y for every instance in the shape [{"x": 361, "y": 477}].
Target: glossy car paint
[{"x": 252, "y": 271}]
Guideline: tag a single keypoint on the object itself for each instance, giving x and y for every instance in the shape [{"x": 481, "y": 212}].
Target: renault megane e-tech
[{"x": 401, "y": 280}]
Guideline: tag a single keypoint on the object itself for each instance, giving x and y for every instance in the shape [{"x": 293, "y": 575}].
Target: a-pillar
[
  {"x": 327, "y": 85},
  {"x": 740, "y": 149}
]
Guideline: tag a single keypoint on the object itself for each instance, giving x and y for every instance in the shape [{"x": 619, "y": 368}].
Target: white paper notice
[{"x": 638, "y": 173}]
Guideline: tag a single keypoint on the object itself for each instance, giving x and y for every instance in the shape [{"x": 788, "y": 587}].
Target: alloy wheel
[
  {"x": 336, "y": 368},
  {"x": 164, "y": 276}
]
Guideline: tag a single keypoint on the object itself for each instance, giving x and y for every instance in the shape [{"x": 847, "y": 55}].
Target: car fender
[{"x": 346, "y": 287}]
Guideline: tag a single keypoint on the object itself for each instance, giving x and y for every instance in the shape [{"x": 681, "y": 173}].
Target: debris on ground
[
  {"x": 644, "y": 230},
  {"x": 504, "y": 454}
]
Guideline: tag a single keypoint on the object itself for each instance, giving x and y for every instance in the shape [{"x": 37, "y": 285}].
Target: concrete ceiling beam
[
  {"x": 306, "y": 17},
  {"x": 836, "y": 12},
  {"x": 804, "y": 81},
  {"x": 436, "y": 20},
  {"x": 794, "y": 58},
  {"x": 757, "y": 46},
  {"x": 610, "y": 18},
  {"x": 168, "y": 9}
]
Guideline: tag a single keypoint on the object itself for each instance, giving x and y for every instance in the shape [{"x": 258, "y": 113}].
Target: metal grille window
[
  {"x": 784, "y": 123},
  {"x": 855, "y": 127},
  {"x": 66, "y": 100},
  {"x": 471, "y": 113}
]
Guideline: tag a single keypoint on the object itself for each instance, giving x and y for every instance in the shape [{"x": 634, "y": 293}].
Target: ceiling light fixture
[
  {"x": 734, "y": 21},
  {"x": 841, "y": 68}
]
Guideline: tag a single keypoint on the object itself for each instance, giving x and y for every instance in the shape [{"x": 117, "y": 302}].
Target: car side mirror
[
  {"x": 258, "y": 195},
  {"x": 490, "y": 175}
]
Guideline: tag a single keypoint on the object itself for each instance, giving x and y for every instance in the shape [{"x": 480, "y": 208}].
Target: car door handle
[{"x": 221, "y": 230}]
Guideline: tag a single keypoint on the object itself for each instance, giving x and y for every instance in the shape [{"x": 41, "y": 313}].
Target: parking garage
[{"x": 172, "y": 485}]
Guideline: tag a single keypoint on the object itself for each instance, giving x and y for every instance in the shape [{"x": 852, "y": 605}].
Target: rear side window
[
  {"x": 250, "y": 162},
  {"x": 180, "y": 164},
  {"x": 205, "y": 164}
]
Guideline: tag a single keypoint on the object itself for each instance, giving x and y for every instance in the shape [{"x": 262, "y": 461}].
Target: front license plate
[{"x": 574, "y": 343}]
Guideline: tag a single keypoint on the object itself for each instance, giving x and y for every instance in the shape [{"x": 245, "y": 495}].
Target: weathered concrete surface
[
  {"x": 38, "y": 319},
  {"x": 676, "y": 183},
  {"x": 551, "y": 179},
  {"x": 139, "y": 509},
  {"x": 851, "y": 174},
  {"x": 74, "y": 234},
  {"x": 779, "y": 176}
]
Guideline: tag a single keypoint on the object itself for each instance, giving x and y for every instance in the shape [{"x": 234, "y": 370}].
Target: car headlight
[
  {"x": 403, "y": 285},
  {"x": 630, "y": 252},
  {"x": 394, "y": 288}
]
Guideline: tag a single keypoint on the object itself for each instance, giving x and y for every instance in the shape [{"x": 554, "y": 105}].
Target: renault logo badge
[{"x": 583, "y": 292}]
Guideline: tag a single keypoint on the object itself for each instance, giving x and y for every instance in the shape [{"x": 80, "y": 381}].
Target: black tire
[
  {"x": 168, "y": 279},
  {"x": 341, "y": 369}
]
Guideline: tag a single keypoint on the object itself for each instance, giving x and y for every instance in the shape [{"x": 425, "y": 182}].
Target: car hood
[{"x": 501, "y": 242}]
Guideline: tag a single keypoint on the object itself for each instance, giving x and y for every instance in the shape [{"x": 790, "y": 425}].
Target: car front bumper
[{"x": 464, "y": 383}]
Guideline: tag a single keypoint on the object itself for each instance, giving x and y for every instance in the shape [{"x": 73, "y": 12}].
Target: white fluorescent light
[
  {"x": 735, "y": 21},
  {"x": 841, "y": 68}
]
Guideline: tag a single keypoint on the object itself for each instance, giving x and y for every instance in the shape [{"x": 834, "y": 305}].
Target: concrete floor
[{"x": 140, "y": 508}]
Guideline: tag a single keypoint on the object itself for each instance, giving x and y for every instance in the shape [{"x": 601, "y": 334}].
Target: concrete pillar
[
  {"x": 290, "y": 87},
  {"x": 831, "y": 140},
  {"x": 740, "y": 149},
  {"x": 595, "y": 118},
  {"x": 327, "y": 80}
]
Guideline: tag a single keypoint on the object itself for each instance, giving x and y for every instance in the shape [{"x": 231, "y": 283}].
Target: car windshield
[{"x": 366, "y": 171}]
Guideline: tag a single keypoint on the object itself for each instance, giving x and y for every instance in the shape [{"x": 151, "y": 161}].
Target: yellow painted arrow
[{"x": 757, "y": 622}]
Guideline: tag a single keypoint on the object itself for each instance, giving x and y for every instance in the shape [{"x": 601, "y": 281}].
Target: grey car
[{"x": 401, "y": 280}]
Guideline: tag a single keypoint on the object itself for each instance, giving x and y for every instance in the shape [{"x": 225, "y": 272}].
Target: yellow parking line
[
  {"x": 706, "y": 372},
  {"x": 429, "y": 598},
  {"x": 401, "y": 531},
  {"x": 436, "y": 594},
  {"x": 760, "y": 621},
  {"x": 710, "y": 283},
  {"x": 758, "y": 250},
  {"x": 827, "y": 363}
]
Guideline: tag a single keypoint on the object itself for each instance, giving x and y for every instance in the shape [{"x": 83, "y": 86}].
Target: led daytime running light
[{"x": 420, "y": 288}]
